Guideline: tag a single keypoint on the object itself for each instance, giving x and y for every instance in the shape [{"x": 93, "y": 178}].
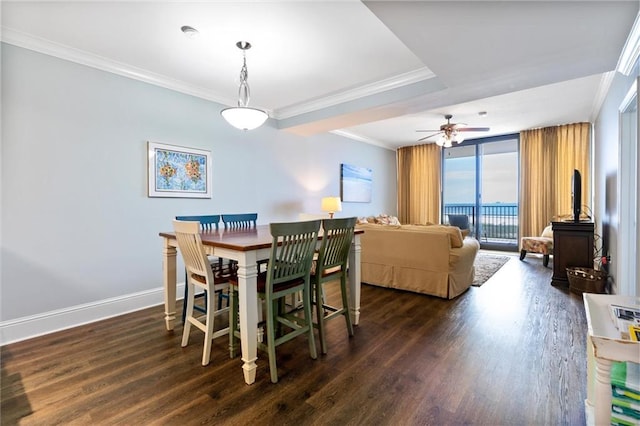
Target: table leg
[
  {"x": 602, "y": 406},
  {"x": 169, "y": 275},
  {"x": 248, "y": 305},
  {"x": 354, "y": 280}
]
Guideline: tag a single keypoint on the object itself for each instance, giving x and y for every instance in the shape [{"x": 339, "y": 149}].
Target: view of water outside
[
  {"x": 499, "y": 186},
  {"x": 499, "y": 179}
]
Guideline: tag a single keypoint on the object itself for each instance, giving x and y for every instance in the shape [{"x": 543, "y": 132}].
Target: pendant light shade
[{"x": 244, "y": 117}]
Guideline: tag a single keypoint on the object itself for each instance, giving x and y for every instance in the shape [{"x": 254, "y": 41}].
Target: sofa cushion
[
  {"x": 455, "y": 235},
  {"x": 368, "y": 225}
]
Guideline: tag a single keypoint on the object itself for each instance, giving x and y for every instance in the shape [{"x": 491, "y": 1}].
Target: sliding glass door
[{"x": 480, "y": 179}]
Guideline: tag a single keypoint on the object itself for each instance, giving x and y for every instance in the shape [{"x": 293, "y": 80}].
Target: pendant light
[{"x": 244, "y": 117}]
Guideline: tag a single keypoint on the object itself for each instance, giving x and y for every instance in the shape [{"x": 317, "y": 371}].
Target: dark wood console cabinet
[{"x": 572, "y": 246}]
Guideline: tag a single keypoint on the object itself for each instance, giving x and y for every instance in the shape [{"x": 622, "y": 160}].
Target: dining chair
[
  {"x": 288, "y": 272},
  {"x": 207, "y": 223},
  {"x": 242, "y": 220},
  {"x": 200, "y": 275},
  {"x": 331, "y": 265},
  {"x": 459, "y": 220}
]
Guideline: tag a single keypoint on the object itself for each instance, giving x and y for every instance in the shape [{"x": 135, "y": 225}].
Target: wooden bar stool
[
  {"x": 288, "y": 272},
  {"x": 201, "y": 275},
  {"x": 331, "y": 265}
]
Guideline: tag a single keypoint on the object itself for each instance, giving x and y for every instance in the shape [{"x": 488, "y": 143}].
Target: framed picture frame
[
  {"x": 178, "y": 172},
  {"x": 356, "y": 183}
]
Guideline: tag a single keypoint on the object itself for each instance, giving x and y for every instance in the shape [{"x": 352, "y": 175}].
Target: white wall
[
  {"x": 606, "y": 173},
  {"x": 77, "y": 226}
]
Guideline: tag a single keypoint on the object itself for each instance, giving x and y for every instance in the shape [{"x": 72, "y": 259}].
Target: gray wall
[
  {"x": 606, "y": 173},
  {"x": 77, "y": 225}
]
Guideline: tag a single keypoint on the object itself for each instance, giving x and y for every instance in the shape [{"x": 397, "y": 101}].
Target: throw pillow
[
  {"x": 455, "y": 235},
  {"x": 385, "y": 219}
]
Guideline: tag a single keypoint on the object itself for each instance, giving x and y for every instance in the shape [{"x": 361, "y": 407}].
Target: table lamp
[{"x": 331, "y": 205}]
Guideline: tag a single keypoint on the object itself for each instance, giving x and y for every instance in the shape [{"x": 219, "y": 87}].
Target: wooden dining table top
[{"x": 242, "y": 239}]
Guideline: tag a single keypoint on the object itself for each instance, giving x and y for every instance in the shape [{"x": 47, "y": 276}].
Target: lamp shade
[
  {"x": 244, "y": 118},
  {"x": 331, "y": 204}
]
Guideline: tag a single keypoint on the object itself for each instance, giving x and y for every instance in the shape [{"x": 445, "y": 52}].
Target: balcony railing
[{"x": 499, "y": 221}]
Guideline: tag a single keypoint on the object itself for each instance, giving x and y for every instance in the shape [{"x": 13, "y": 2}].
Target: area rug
[{"x": 487, "y": 265}]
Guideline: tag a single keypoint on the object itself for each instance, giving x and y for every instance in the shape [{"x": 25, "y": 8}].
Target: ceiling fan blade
[
  {"x": 431, "y": 130},
  {"x": 473, "y": 129},
  {"x": 427, "y": 137}
]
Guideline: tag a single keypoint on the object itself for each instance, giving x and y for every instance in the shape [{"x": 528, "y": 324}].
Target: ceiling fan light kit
[
  {"x": 244, "y": 117},
  {"x": 449, "y": 132}
]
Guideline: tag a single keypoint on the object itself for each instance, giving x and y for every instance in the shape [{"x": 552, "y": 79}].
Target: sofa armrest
[{"x": 464, "y": 256}]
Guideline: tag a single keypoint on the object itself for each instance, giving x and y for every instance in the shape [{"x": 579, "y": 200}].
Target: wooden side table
[
  {"x": 604, "y": 345},
  {"x": 572, "y": 246}
]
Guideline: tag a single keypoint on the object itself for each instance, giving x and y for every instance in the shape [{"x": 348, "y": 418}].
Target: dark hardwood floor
[{"x": 509, "y": 352}]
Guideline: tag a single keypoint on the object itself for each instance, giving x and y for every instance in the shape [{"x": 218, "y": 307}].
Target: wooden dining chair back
[
  {"x": 288, "y": 272},
  {"x": 331, "y": 265},
  {"x": 200, "y": 275},
  {"x": 241, "y": 220},
  {"x": 207, "y": 223}
]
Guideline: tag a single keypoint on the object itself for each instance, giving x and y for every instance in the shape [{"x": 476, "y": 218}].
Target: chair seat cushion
[{"x": 541, "y": 245}]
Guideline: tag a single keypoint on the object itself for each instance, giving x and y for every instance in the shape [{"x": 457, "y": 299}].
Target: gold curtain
[
  {"x": 574, "y": 151},
  {"x": 548, "y": 157},
  {"x": 419, "y": 186}
]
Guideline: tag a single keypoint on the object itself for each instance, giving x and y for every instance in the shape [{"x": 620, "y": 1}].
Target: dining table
[{"x": 246, "y": 246}]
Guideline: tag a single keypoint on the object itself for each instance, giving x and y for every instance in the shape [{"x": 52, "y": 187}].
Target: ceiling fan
[{"x": 450, "y": 132}]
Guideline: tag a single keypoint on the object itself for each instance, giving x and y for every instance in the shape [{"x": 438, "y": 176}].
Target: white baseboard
[{"x": 40, "y": 324}]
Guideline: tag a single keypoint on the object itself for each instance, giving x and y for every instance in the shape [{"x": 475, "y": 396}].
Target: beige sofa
[{"x": 433, "y": 260}]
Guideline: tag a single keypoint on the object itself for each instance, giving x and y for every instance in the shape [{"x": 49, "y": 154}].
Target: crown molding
[
  {"x": 360, "y": 138},
  {"x": 82, "y": 57},
  {"x": 355, "y": 93},
  {"x": 601, "y": 94},
  {"x": 629, "y": 97},
  {"x": 58, "y": 50},
  {"x": 631, "y": 50}
]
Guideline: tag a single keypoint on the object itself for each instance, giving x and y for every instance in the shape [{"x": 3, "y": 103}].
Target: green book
[{"x": 626, "y": 375}]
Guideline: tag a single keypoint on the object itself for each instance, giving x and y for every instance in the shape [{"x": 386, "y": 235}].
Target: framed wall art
[
  {"x": 176, "y": 171},
  {"x": 356, "y": 183}
]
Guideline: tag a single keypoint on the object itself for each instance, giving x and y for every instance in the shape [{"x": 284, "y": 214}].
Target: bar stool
[
  {"x": 331, "y": 265},
  {"x": 288, "y": 272},
  {"x": 201, "y": 275}
]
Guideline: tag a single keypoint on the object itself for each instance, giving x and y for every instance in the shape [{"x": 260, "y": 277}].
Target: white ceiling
[{"x": 374, "y": 70}]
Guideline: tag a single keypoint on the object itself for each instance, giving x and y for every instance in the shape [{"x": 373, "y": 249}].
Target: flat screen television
[{"x": 576, "y": 195}]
